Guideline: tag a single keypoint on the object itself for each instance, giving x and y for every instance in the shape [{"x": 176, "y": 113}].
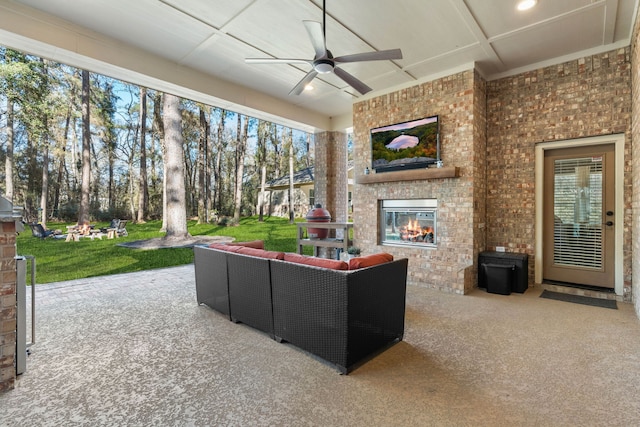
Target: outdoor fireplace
[{"x": 409, "y": 222}]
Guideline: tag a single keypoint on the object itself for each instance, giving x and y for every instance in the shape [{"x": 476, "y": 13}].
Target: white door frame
[{"x": 618, "y": 141}]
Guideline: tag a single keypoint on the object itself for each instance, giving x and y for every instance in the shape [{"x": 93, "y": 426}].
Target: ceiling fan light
[
  {"x": 323, "y": 66},
  {"x": 526, "y": 4}
]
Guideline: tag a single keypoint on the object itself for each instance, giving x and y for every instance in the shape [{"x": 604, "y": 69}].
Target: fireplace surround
[{"x": 408, "y": 222}]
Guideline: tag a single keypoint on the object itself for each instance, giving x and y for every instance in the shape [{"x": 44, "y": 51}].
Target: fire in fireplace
[{"x": 408, "y": 222}]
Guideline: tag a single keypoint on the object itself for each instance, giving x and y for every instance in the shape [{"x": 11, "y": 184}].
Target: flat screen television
[{"x": 409, "y": 145}]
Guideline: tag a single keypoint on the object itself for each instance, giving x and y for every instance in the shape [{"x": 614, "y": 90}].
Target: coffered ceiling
[{"x": 200, "y": 45}]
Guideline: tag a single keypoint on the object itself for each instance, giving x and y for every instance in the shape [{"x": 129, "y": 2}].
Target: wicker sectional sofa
[{"x": 342, "y": 316}]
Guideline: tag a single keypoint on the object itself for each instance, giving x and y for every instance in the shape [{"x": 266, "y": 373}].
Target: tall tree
[
  {"x": 159, "y": 127},
  {"x": 6, "y": 86},
  {"x": 292, "y": 204},
  {"x": 217, "y": 168},
  {"x": 42, "y": 131},
  {"x": 143, "y": 188},
  {"x": 202, "y": 168},
  {"x": 174, "y": 161},
  {"x": 83, "y": 214},
  {"x": 261, "y": 162},
  {"x": 276, "y": 149},
  {"x": 8, "y": 162},
  {"x": 241, "y": 148},
  {"x": 45, "y": 179}
]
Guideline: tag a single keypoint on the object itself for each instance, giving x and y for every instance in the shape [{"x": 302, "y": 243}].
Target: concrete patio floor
[{"x": 136, "y": 350}]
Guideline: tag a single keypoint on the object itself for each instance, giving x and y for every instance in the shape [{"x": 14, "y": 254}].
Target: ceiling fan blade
[
  {"x": 317, "y": 38},
  {"x": 370, "y": 56},
  {"x": 277, "y": 61},
  {"x": 352, "y": 81},
  {"x": 297, "y": 90}
]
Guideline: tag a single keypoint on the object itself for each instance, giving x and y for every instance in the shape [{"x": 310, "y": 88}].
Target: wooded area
[{"x": 82, "y": 146}]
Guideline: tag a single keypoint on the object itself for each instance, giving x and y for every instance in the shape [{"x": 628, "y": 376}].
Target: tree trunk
[
  {"x": 309, "y": 157},
  {"x": 174, "y": 161},
  {"x": 276, "y": 150},
  {"x": 202, "y": 169},
  {"x": 292, "y": 204},
  {"x": 143, "y": 188},
  {"x": 131, "y": 181},
  {"x": 8, "y": 162},
  {"x": 83, "y": 214},
  {"x": 45, "y": 181},
  {"x": 217, "y": 170},
  {"x": 157, "y": 118},
  {"x": 240, "y": 152},
  {"x": 59, "y": 181},
  {"x": 61, "y": 164},
  {"x": 263, "y": 183}
]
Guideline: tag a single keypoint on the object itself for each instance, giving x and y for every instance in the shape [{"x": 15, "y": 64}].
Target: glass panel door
[{"x": 578, "y": 229}]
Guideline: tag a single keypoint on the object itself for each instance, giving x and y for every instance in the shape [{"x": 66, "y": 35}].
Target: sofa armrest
[
  {"x": 212, "y": 287},
  {"x": 343, "y": 317},
  {"x": 377, "y": 303},
  {"x": 250, "y": 291}
]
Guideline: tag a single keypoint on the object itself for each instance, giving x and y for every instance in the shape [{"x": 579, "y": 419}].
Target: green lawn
[{"x": 57, "y": 260}]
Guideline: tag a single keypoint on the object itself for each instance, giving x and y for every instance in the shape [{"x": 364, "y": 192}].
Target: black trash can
[
  {"x": 519, "y": 281},
  {"x": 499, "y": 277}
]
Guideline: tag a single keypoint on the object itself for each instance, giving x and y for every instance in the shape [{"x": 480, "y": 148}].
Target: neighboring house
[{"x": 276, "y": 199}]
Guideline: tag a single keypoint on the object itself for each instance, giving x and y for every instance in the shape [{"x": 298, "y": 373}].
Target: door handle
[
  {"x": 609, "y": 213},
  {"x": 608, "y": 223}
]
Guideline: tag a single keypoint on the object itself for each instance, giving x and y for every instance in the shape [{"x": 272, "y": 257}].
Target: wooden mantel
[{"x": 409, "y": 175}]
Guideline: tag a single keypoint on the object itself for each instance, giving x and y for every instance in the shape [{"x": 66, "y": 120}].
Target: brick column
[
  {"x": 8, "y": 317},
  {"x": 330, "y": 177}
]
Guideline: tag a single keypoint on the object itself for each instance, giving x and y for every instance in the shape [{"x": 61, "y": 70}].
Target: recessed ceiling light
[
  {"x": 308, "y": 87},
  {"x": 526, "y": 4}
]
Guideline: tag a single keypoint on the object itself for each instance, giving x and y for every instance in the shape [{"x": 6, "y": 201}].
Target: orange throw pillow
[
  {"x": 261, "y": 253},
  {"x": 369, "y": 260},
  {"x": 332, "y": 264}
]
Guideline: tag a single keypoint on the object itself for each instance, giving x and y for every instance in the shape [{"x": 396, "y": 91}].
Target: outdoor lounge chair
[
  {"x": 37, "y": 230},
  {"x": 121, "y": 230},
  {"x": 113, "y": 225}
]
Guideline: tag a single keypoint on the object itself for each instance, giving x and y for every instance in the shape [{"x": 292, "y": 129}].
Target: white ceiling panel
[
  {"x": 499, "y": 17},
  {"x": 209, "y": 12},
  {"x": 215, "y": 36},
  {"x": 538, "y": 43}
]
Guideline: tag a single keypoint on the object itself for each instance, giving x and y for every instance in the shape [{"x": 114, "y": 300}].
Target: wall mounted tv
[{"x": 409, "y": 145}]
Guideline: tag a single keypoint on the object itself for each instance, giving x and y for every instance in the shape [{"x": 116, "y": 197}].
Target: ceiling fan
[{"x": 324, "y": 62}]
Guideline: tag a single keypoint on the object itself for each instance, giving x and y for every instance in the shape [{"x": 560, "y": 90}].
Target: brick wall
[
  {"x": 590, "y": 96},
  {"x": 7, "y": 305},
  {"x": 454, "y": 99},
  {"x": 635, "y": 135},
  {"x": 489, "y": 130},
  {"x": 479, "y": 174}
]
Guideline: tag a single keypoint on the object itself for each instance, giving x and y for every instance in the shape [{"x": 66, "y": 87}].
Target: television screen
[{"x": 408, "y": 145}]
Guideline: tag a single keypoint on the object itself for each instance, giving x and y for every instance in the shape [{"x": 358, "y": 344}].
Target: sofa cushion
[
  {"x": 261, "y": 253},
  {"x": 369, "y": 260},
  {"x": 258, "y": 244},
  {"x": 225, "y": 247},
  {"x": 332, "y": 264}
]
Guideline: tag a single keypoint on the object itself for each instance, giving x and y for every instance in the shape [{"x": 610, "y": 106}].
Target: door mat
[{"x": 579, "y": 299}]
